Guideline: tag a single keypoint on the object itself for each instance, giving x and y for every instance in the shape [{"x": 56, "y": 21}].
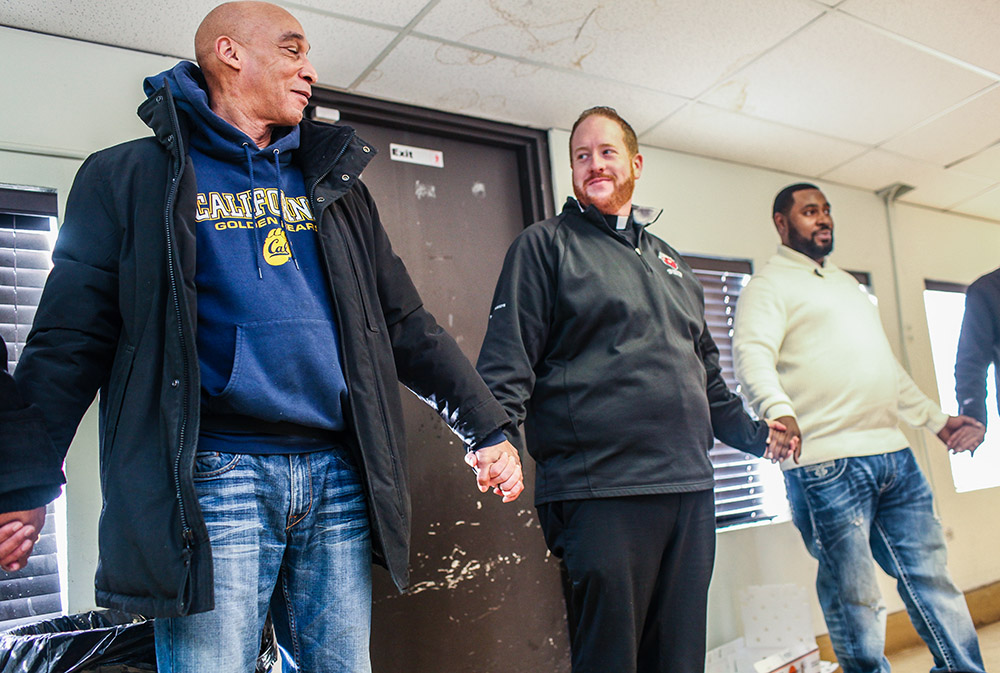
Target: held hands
[
  {"x": 18, "y": 534},
  {"x": 498, "y": 467},
  {"x": 962, "y": 433},
  {"x": 784, "y": 440}
]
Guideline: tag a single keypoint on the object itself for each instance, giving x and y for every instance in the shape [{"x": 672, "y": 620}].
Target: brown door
[{"x": 485, "y": 594}]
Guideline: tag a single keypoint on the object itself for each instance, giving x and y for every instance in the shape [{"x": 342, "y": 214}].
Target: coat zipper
[
  {"x": 637, "y": 249},
  {"x": 172, "y": 275}
]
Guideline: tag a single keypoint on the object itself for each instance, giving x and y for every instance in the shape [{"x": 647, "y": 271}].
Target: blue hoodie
[{"x": 268, "y": 346}]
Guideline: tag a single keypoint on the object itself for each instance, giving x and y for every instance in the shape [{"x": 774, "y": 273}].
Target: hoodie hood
[
  {"x": 216, "y": 136},
  {"x": 230, "y": 155}
]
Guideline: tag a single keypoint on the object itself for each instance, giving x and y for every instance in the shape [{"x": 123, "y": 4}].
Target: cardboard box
[{"x": 789, "y": 661}]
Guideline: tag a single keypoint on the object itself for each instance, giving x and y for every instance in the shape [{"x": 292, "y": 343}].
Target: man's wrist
[{"x": 779, "y": 410}]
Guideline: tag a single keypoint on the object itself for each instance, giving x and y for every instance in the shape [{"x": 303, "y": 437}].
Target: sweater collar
[{"x": 796, "y": 259}]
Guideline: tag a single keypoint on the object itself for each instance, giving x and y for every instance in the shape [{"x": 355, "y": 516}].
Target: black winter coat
[
  {"x": 118, "y": 314},
  {"x": 30, "y": 468},
  {"x": 605, "y": 355}
]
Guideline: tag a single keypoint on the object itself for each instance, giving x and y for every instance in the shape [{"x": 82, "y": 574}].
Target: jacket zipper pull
[{"x": 638, "y": 252}]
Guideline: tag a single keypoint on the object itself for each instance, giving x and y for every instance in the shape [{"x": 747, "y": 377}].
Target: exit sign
[{"x": 416, "y": 155}]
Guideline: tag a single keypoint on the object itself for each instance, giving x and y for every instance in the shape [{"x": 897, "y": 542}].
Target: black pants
[{"x": 637, "y": 576}]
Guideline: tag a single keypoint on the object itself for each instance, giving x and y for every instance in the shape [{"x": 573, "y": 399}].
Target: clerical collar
[{"x": 618, "y": 222}]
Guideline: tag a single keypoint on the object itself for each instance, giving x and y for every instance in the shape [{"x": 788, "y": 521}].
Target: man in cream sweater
[{"x": 811, "y": 353}]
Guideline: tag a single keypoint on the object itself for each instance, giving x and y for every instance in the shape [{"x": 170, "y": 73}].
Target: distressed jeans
[
  {"x": 289, "y": 532},
  {"x": 853, "y": 511}
]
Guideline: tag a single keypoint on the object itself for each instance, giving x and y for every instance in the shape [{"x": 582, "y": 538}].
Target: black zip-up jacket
[
  {"x": 978, "y": 346},
  {"x": 118, "y": 314},
  {"x": 601, "y": 349}
]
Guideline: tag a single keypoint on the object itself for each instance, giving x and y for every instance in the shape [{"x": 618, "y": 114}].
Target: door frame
[{"x": 530, "y": 146}]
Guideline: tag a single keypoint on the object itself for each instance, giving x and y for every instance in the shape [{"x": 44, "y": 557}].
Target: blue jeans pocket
[
  {"x": 821, "y": 474},
  {"x": 838, "y": 510},
  {"x": 209, "y": 464}
]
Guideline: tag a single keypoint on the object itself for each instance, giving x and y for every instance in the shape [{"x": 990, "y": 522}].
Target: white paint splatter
[
  {"x": 425, "y": 191},
  {"x": 457, "y": 569}
]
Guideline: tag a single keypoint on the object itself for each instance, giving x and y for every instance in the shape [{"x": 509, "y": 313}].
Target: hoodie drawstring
[
  {"x": 281, "y": 208},
  {"x": 253, "y": 210}
]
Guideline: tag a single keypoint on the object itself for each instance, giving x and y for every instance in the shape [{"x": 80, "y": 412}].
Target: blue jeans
[
  {"x": 852, "y": 511},
  {"x": 289, "y": 532}
]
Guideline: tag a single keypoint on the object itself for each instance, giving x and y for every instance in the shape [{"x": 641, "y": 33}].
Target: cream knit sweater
[{"x": 809, "y": 343}]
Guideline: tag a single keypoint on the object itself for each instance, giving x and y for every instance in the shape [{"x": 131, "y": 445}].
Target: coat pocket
[{"x": 121, "y": 372}]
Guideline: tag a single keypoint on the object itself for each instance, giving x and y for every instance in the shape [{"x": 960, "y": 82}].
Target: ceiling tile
[
  {"x": 390, "y": 12},
  {"x": 985, "y": 205},
  {"x": 945, "y": 188},
  {"x": 822, "y": 79},
  {"x": 803, "y": 72},
  {"x": 713, "y": 132},
  {"x": 933, "y": 185},
  {"x": 985, "y": 164},
  {"x": 660, "y": 45},
  {"x": 426, "y": 72},
  {"x": 341, "y": 50},
  {"x": 116, "y": 23},
  {"x": 967, "y": 29},
  {"x": 958, "y": 134}
]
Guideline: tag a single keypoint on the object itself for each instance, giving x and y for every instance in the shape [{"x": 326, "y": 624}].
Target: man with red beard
[{"x": 597, "y": 341}]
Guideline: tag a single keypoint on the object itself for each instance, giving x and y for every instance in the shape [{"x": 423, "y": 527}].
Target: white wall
[
  {"x": 64, "y": 99},
  {"x": 719, "y": 209}
]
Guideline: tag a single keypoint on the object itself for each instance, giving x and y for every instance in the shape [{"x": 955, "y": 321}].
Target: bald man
[{"x": 227, "y": 286}]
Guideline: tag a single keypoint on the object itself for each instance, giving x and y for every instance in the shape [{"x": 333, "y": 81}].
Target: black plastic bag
[
  {"x": 78, "y": 643},
  {"x": 104, "y": 641}
]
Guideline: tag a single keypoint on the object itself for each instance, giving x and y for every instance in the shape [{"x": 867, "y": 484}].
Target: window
[
  {"x": 864, "y": 279},
  {"x": 944, "y": 304},
  {"x": 27, "y": 223},
  {"x": 748, "y": 489}
]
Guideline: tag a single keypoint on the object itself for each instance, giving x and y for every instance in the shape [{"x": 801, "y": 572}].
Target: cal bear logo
[{"x": 276, "y": 248}]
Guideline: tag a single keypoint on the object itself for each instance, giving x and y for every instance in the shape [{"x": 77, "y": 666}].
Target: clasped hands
[
  {"x": 962, "y": 433},
  {"x": 18, "y": 534},
  {"x": 498, "y": 467},
  {"x": 784, "y": 440}
]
